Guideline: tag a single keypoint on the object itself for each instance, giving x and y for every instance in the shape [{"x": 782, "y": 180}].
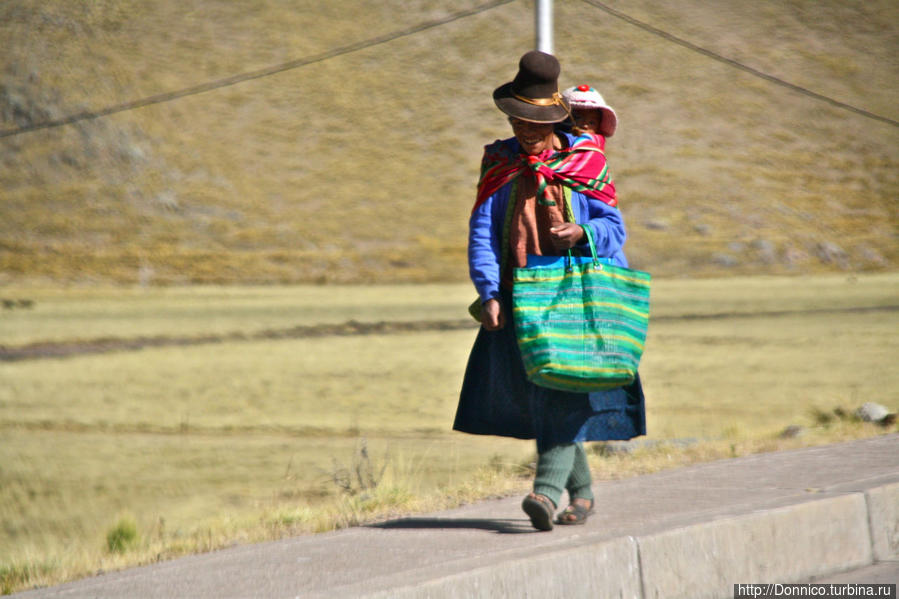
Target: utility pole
[{"x": 544, "y": 25}]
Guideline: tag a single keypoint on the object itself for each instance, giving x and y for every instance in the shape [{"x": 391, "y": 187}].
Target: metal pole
[{"x": 544, "y": 25}]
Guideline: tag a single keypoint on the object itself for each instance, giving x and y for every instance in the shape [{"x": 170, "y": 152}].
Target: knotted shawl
[{"x": 581, "y": 166}]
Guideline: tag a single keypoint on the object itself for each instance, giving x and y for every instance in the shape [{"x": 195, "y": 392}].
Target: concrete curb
[
  {"x": 789, "y": 544},
  {"x": 883, "y": 514},
  {"x": 573, "y": 575}
]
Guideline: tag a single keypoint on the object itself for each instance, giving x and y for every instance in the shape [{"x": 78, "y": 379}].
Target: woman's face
[
  {"x": 587, "y": 119},
  {"x": 533, "y": 137}
]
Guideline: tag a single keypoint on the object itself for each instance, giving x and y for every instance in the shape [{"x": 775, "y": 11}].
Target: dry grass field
[
  {"x": 361, "y": 167},
  {"x": 125, "y": 457}
]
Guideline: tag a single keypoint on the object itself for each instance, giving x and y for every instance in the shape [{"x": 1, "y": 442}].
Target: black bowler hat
[{"x": 534, "y": 93}]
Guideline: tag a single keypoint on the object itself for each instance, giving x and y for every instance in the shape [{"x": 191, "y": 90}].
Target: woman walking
[{"x": 537, "y": 192}]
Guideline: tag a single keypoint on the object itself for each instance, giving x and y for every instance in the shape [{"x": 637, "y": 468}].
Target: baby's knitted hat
[{"x": 584, "y": 97}]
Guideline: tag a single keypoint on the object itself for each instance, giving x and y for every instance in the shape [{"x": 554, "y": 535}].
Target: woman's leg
[
  {"x": 580, "y": 481},
  {"x": 554, "y": 470},
  {"x": 579, "y": 489}
]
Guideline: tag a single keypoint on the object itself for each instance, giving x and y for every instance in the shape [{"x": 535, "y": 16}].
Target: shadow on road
[{"x": 500, "y": 526}]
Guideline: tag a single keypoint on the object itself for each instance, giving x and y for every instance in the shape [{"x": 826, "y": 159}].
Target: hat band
[{"x": 555, "y": 100}]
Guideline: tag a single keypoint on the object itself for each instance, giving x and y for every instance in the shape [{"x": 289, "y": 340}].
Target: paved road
[
  {"x": 691, "y": 532},
  {"x": 881, "y": 573}
]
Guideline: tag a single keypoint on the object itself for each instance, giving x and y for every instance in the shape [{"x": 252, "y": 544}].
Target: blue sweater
[{"x": 485, "y": 233}]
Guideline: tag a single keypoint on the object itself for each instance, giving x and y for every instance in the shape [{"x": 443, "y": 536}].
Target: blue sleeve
[
  {"x": 607, "y": 226},
  {"x": 484, "y": 240}
]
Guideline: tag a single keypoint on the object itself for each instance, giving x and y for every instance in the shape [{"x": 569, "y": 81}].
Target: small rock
[
  {"x": 791, "y": 432},
  {"x": 703, "y": 229},
  {"x": 610, "y": 448},
  {"x": 656, "y": 225},
  {"x": 830, "y": 253},
  {"x": 766, "y": 251},
  {"x": 872, "y": 256},
  {"x": 168, "y": 200},
  {"x": 872, "y": 412},
  {"x": 794, "y": 256},
  {"x": 725, "y": 260}
]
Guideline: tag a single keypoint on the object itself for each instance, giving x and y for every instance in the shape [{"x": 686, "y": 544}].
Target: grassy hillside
[{"x": 362, "y": 167}]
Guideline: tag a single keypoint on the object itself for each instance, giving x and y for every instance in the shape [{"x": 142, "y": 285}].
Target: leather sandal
[
  {"x": 577, "y": 510},
  {"x": 539, "y": 509}
]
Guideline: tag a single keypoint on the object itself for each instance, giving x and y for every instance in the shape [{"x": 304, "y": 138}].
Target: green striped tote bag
[{"x": 581, "y": 326}]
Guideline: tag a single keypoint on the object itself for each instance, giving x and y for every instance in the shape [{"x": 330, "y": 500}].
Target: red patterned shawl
[{"x": 582, "y": 167}]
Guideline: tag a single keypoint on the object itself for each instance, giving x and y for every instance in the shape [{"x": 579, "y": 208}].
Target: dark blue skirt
[{"x": 497, "y": 399}]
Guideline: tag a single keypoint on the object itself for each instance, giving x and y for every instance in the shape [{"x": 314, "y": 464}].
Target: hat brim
[
  {"x": 509, "y": 104},
  {"x": 609, "y": 122}
]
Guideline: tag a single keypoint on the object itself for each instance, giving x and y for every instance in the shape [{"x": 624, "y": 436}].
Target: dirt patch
[{"x": 62, "y": 349}]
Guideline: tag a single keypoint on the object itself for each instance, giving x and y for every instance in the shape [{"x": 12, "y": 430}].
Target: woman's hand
[
  {"x": 566, "y": 235},
  {"x": 492, "y": 316}
]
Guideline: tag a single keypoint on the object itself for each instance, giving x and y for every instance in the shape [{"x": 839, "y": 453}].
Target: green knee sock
[
  {"x": 579, "y": 481},
  {"x": 554, "y": 468}
]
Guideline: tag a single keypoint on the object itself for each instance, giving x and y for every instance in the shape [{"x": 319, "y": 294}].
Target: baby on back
[{"x": 590, "y": 114}]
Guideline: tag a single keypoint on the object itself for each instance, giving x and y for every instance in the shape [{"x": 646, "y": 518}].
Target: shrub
[{"x": 122, "y": 536}]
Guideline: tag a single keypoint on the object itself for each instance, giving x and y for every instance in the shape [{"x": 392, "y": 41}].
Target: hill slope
[{"x": 361, "y": 167}]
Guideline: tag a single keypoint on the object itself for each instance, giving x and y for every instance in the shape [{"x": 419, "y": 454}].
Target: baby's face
[{"x": 587, "y": 119}]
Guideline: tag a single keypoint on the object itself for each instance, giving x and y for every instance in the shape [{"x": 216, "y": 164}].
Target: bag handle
[
  {"x": 588, "y": 233},
  {"x": 569, "y": 254}
]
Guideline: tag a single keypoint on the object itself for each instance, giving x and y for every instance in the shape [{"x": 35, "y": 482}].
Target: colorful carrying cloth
[{"x": 581, "y": 166}]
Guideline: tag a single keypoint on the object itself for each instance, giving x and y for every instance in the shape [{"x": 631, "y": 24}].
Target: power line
[
  {"x": 738, "y": 65},
  {"x": 257, "y": 74}
]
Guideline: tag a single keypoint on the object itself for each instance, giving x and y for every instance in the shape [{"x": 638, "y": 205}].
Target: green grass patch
[
  {"x": 123, "y": 536},
  {"x": 16, "y": 576}
]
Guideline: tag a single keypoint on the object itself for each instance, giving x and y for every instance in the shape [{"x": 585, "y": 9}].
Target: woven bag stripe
[
  {"x": 529, "y": 334},
  {"x": 586, "y": 305},
  {"x": 578, "y": 357},
  {"x": 629, "y": 340},
  {"x": 636, "y": 326},
  {"x": 625, "y": 356},
  {"x": 532, "y": 325},
  {"x": 566, "y": 384},
  {"x": 551, "y": 277},
  {"x": 632, "y": 311},
  {"x": 630, "y": 361},
  {"x": 585, "y": 370},
  {"x": 558, "y": 274},
  {"x": 537, "y": 292},
  {"x": 531, "y": 352},
  {"x": 594, "y": 355}
]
